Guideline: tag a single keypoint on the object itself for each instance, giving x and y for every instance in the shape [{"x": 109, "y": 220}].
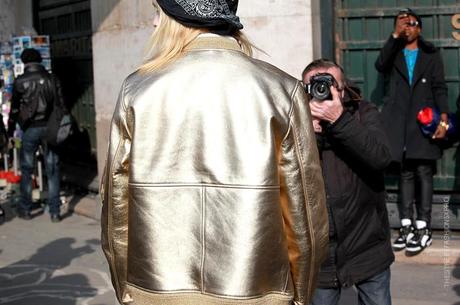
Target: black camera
[{"x": 319, "y": 87}]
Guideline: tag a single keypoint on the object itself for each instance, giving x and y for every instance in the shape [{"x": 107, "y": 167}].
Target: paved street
[{"x": 42, "y": 263}]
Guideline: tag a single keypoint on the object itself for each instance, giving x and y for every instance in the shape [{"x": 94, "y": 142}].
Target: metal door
[{"x": 361, "y": 29}]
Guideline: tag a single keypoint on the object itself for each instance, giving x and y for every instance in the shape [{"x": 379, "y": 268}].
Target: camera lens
[
  {"x": 321, "y": 91},
  {"x": 320, "y": 86}
]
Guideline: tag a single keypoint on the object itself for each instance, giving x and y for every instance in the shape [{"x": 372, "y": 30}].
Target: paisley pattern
[{"x": 207, "y": 8}]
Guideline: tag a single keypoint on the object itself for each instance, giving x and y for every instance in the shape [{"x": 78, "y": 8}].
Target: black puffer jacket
[
  {"x": 35, "y": 84},
  {"x": 354, "y": 153}
]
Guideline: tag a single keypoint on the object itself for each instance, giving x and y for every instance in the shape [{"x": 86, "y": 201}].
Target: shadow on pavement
[{"x": 41, "y": 278}]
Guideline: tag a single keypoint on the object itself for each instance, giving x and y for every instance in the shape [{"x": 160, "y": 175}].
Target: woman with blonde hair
[{"x": 212, "y": 192}]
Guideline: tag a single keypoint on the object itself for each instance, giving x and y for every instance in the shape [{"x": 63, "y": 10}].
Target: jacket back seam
[
  {"x": 210, "y": 294},
  {"x": 207, "y": 185}
]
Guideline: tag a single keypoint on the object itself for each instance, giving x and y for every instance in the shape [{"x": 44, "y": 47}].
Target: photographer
[
  {"x": 416, "y": 77},
  {"x": 354, "y": 153}
]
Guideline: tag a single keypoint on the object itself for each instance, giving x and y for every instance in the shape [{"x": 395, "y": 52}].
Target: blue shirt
[{"x": 411, "y": 58}]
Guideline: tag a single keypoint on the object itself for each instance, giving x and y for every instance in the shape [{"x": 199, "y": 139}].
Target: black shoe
[
  {"x": 421, "y": 240},
  {"x": 25, "y": 215},
  {"x": 406, "y": 233},
  {"x": 2, "y": 215},
  {"x": 55, "y": 218}
]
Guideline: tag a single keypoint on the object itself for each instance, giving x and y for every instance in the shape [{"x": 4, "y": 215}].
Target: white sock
[
  {"x": 420, "y": 224},
  {"x": 406, "y": 222}
]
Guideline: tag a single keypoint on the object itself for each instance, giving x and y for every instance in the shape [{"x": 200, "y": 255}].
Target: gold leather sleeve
[
  {"x": 114, "y": 192},
  {"x": 303, "y": 199}
]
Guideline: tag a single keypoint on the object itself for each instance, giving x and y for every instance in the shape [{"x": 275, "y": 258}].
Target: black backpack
[
  {"x": 60, "y": 123},
  {"x": 27, "y": 110},
  {"x": 59, "y": 127},
  {"x": 35, "y": 88},
  {"x": 29, "y": 106}
]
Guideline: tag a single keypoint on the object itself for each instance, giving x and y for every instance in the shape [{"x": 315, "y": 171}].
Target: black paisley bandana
[{"x": 219, "y": 16}]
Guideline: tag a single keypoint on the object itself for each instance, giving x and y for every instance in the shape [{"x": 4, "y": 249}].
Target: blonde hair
[{"x": 170, "y": 38}]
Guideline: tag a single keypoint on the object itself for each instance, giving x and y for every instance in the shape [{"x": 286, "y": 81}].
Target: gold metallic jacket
[{"x": 212, "y": 192}]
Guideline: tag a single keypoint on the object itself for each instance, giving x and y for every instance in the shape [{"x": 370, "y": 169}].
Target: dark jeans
[
  {"x": 412, "y": 171},
  {"x": 373, "y": 291},
  {"x": 31, "y": 139}
]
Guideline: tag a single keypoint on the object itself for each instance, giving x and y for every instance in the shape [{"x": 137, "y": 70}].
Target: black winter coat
[
  {"x": 354, "y": 152},
  {"x": 403, "y": 101}
]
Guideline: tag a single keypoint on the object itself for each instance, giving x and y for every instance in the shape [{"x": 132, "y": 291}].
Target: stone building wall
[
  {"x": 7, "y": 19},
  {"x": 281, "y": 28}
]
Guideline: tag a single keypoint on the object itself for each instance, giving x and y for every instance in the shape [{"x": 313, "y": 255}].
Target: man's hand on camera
[
  {"x": 400, "y": 26},
  {"x": 328, "y": 110},
  {"x": 316, "y": 125}
]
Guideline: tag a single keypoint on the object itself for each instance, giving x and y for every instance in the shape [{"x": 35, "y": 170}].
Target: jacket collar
[
  {"x": 400, "y": 65},
  {"x": 33, "y": 67},
  {"x": 213, "y": 41},
  {"x": 423, "y": 60}
]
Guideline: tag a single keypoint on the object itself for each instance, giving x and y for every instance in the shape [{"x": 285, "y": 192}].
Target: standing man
[
  {"x": 35, "y": 93},
  {"x": 416, "y": 81},
  {"x": 354, "y": 152}
]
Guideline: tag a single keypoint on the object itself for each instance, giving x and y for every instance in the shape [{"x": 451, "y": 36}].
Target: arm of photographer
[{"x": 363, "y": 138}]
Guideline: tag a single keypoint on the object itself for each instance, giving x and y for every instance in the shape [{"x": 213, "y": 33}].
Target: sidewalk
[{"x": 445, "y": 249}]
